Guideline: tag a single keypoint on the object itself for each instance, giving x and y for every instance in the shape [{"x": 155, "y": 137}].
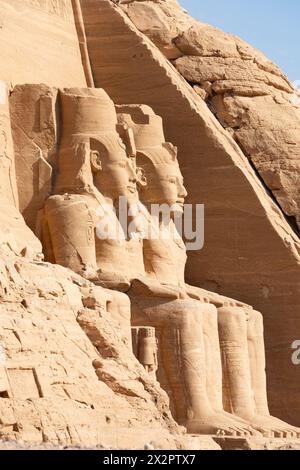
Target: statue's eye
[
  {"x": 172, "y": 180},
  {"x": 122, "y": 164}
]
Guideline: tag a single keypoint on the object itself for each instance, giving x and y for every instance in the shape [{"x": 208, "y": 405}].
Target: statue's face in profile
[
  {"x": 163, "y": 182},
  {"x": 114, "y": 172}
]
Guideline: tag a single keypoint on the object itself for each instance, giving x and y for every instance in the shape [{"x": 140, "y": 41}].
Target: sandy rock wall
[
  {"x": 251, "y": 253},
  {"x": 53, "y": 327},
  {"x": 39, "y": 43}
]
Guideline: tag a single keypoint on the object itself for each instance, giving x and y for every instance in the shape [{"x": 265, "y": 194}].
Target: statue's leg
[
  {"x": 181, "y": 355},
  {"x": 255, "y": 331},
  {"x": 237, "y": 390},
  {"x": 213, "y": 358},
  {"x": 182, "y": 362},
  {"x": 70, "y": 222},
  {"x": 187, "y": 338},
  {"x": 243, "y": 362},
  {"x": 43, "y": 233},
  {"x": 214, "y": 382},
  {"x": 256, "y": 349}
]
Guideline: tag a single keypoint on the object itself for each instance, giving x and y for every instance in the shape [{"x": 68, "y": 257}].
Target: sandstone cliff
[{"x": 68, "y": 374}]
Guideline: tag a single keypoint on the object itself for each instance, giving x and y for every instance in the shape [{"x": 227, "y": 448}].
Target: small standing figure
[{"x": 145, "y": 347}]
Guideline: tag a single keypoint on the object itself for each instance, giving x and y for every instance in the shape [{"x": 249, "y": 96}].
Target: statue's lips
[
  {"x": 180, "y": 202},
  {"x": 131, "y": 189}
]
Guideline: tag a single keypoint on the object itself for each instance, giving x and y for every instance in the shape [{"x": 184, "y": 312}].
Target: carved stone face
[
  {"x": 90, "y": 115},
  {"x": 163, "y": 181},
  {"x": 114, "y": 172}
]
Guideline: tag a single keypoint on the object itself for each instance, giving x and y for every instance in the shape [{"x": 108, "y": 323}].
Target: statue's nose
[{"x": 182, "y": 192}]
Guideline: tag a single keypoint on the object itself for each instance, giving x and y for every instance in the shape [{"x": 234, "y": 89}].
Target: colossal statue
[
  {"x": 221, "y": 342},
  {"x": 93, "y": 172},
  {"x": 210, "y": 357}
]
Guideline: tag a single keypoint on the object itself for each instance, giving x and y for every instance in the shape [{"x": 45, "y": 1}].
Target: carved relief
[
  {"x": 34, "y": 131},
  {"x": 144, "y": 345}
]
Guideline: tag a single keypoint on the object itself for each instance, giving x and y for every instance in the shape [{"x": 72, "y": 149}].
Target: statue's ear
[
  {"x": 141, "y": 177},
  {"x": 142, "y": 162},
  {"x": 95, "y": 161}
]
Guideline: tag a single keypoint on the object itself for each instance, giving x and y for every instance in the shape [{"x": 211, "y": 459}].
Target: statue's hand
[
  {"x": 233, "y": 303},
  {"x": 197, "y": 294},
  {"x": 112, "y": 280},
  {"x": 213, "y": 298},
  {"x": 147, "y": 287}
]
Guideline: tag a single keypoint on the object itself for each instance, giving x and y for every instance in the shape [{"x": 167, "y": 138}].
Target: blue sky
[{"x": 273, "y": 26}]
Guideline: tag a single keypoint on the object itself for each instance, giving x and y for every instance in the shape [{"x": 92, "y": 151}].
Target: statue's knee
[
  {"x": 231, "y": 316},
  {"x": 210, "y": 312},
  {"x": 255, "y": 316},
  {"x": 255, "y": 322},
  {"x": 191, "y": 313},
  {"x": 121, "y": 303}
]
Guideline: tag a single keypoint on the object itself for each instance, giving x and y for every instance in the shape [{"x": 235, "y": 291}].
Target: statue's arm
[
  {"x": 213, "y": 298},
  {"x": 148, "y": 287}
]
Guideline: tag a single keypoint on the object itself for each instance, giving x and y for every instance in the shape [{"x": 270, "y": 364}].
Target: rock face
[
  {"x": 40, "y": 43},
  {"x": 52, "y": 332},
  {"x": 105, "y": 338},
  {"x": 254, "y": 101}
]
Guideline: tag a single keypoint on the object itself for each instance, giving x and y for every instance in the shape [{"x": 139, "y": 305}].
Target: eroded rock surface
[{"x": 52, "y": 334}]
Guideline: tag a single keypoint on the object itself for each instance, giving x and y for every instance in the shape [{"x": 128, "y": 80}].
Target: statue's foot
[
  {"x": 286, "y": 429},
  {"x": 219, "y": 425},
  {"x": 241, "y": 422},
  {"x": 273, "y": 427}
]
